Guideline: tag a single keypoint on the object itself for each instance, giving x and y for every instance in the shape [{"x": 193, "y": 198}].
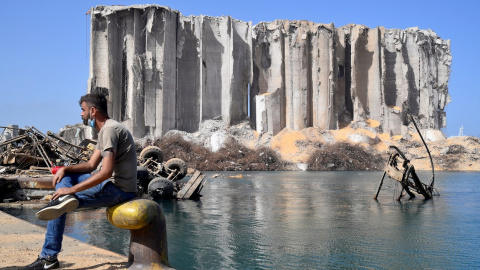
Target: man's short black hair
[{"x": 97, "y": 100}]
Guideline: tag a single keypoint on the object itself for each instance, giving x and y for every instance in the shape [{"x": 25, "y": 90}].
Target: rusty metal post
[
  {"x": 380, "y": 186},
  {"x": 148, "y": 233}
]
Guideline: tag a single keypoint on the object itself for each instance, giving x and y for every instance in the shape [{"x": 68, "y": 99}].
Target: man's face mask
[{"x": 89, "y": 120}]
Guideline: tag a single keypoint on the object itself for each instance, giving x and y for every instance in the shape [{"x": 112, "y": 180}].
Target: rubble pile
[
  {"x": 230, "y": 155},
  {"x": 345, "y": 157}
]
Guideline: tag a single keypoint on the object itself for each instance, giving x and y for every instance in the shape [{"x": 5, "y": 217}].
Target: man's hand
[
  {"x": 85, "y": 167},
  {"x": 58, "y": 176},
  {"x": 60, "y": 192}
]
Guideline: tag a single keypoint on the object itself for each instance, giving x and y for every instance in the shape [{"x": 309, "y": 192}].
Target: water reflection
[{"x": 311, "y": 220}]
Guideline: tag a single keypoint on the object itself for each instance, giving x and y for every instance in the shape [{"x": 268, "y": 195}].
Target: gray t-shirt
[{"x": 114, "y": 135}]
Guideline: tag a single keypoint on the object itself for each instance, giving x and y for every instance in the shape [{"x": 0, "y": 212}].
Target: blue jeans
[{"x": 105, "y": 194}]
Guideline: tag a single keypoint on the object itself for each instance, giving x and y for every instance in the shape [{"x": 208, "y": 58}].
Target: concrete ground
[{"x": 21, "y": 241}]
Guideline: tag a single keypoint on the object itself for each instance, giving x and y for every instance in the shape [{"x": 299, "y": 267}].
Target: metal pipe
[{"x": 428, "y": 151}]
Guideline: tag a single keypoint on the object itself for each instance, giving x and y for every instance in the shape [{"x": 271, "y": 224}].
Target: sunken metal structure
[{"x": 400, "y": 169}]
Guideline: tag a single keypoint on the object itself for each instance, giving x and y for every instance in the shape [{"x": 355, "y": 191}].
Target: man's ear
[{"x": 93, "y": 111}]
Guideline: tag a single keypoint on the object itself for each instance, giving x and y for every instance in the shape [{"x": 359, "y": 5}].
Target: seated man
[{"x": 114, "y": 183}]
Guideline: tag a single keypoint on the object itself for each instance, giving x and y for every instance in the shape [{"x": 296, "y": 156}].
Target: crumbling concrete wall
[
  {"x": 164, "y": 71},
  {"x": 295, "y": 58},
  {"x": 332, "y": 77}
]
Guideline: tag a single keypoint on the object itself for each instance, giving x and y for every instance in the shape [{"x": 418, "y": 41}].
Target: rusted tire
[
  {"x": 160, "y": 188},
  {"x": 179, "y": 165},
  {"x": 142, "y": 173},
  {"x": 19, "y": 195},
  {"x": 143, "y": 177},
  {"x": 153, "y": 152}
]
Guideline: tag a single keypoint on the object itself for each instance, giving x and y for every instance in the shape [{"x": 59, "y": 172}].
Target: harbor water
[{"x": 308, "y": 220}]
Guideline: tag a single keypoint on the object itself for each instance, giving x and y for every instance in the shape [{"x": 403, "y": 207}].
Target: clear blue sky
[{"x": 44, "y": 46}]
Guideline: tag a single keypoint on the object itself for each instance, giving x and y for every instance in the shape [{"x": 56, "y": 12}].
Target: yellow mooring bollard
[{"x": 148, "y": 233}]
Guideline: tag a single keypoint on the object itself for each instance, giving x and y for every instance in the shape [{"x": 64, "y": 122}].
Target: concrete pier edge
[{"x": 22, "y": 241}]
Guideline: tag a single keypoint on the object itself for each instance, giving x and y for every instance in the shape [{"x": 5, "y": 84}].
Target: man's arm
[
  {"x": 105, "y": 173},
  {"x": 86, "y": 167}
]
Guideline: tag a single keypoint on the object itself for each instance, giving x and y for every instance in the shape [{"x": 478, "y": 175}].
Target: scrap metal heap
[
  {"x": 29, "y": 158},
  {"x": 162, "y": 180},
  {"x": 32, "y": 152}
]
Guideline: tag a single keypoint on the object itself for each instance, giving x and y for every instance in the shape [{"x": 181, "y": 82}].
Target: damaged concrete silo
[
  {"x": 334, "y": 76},
  {"x": 164, "y": 71},
  {"x": 330, "y": 77},
  {"x": 294, "y": 60}
]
